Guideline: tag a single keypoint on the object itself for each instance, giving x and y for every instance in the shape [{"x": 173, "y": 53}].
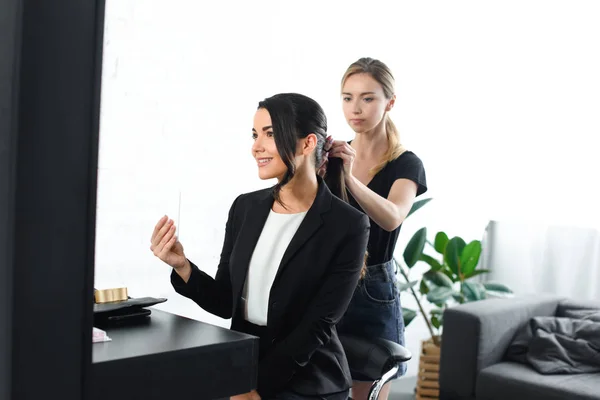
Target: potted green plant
[
  {"x": 447, "y": 281},
  {"x": 449, "y": 277}
]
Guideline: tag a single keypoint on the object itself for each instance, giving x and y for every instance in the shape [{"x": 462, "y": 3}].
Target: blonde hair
[{"x": 382, "y": 74}]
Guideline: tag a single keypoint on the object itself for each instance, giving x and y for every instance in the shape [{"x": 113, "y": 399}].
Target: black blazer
[{"x": 311, "y": 291}]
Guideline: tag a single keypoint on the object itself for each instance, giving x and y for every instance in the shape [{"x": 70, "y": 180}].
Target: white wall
[
  {"x": 499, "y": 99},
  {"x": 544, "y": 258}
]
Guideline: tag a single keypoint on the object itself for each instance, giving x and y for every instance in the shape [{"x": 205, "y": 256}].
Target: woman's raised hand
[
  {"x": 343, "y": 150},
  {"x": 164, "y": 244}
]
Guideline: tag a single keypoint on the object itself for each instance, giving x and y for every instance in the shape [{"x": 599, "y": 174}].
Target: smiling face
[
  {"x": 264, "y": 150},
  {"x": 364, "y": 102}
]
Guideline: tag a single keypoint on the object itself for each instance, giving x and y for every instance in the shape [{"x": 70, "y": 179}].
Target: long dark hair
[{"x": 293, "y": 117}]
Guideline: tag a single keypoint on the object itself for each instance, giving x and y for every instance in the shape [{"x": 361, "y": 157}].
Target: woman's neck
[
  {"x": 371, "y": 144},
  {"x": 298, "y": 194}
]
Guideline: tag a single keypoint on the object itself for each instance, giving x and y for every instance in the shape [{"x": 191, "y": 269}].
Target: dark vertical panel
[
  {"x": 9, "y": 69},
  {"x": 55, "y": 162}
]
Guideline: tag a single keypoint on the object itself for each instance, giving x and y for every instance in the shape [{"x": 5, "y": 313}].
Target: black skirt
[{"x": 265, "y": 343}]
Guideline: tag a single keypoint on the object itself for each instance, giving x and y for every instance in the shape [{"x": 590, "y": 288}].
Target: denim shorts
[{"x": 375, "y": 311}]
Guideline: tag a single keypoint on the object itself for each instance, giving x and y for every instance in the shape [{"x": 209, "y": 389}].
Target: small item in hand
[{"x": 110, "y": 295}]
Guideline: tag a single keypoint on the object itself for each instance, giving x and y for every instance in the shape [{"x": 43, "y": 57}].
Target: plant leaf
[
  {"x": 406, "y": 285},
  {"x": 473, "y": 291},
  {"x": 437, "y": 311},
  {"x": 459, "y": 297},
  {"x": 416, "y": 205},
  {"x": 497, "y": 287},
  {"x": 454, "y": 249},
  {"x": 439, "y": 295},
  {"x": 433, "y": 263},
  {"x": 470, "y": 257},
  {"x": 414, "y": 248},
  {"x": 495, "y": 294},
  {"x": 477, "y": 272},
  {"x": 423, "y": 288},
  {"x": 408, "y": 315},
  {"x": 446, "y": 271},
  {"x": 436, "y": 322},
  {"x": 438, "y": 278},
  {"x": 440, "y": 242}
]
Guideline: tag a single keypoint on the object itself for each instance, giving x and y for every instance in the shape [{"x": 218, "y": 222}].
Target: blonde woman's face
[{"x": 364, "y": 102}]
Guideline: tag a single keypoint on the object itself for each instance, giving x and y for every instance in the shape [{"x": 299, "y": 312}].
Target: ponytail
[
  {"x": 335, "y": 179},
  {"x": 394, "y": 146}
]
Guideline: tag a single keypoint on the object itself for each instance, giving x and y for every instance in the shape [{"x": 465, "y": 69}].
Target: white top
[{"x": 274, "y": 239}]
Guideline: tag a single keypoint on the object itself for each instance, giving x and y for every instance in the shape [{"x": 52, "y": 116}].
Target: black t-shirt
[{"x": 409, "y": 166}]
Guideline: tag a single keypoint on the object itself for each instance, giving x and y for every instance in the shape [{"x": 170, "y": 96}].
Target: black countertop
[{"x": 169, "y": 356}]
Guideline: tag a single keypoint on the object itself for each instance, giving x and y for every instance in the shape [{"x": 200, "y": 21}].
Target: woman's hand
[
  {"x": 253, "y": 395},
  {"x": 322, "y": 170},
  {"x": 164, "y": 244},
  {"x": 343, "y": 150}
]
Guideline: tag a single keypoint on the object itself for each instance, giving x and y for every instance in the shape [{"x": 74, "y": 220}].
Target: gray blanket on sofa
[{"x": 559, "y": 345}]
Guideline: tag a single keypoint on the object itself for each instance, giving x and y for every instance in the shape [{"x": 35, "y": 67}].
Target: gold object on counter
[{"x": 110, "y": 295}]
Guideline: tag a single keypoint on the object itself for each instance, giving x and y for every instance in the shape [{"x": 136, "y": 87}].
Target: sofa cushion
[
  {"x": 576, "y": 308},
  {"x": 558, "y": 345},
  {"x": 592, "y": 315},
  {"x": 509, "y": 380}
]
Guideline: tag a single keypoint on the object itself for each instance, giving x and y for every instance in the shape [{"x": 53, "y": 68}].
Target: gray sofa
[{"x": 474, "y": 343}]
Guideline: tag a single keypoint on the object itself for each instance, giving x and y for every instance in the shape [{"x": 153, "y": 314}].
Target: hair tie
[
  {"x": 328, "y": 144},
  {"x": 325, "y": 157}
]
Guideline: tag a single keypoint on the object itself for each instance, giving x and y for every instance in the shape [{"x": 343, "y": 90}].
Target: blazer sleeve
[
  {"x": 280, "y": 363},
  {"x": 212, "y": 294}
]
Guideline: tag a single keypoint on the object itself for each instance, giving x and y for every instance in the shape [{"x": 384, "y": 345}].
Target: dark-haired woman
[{"x": 291, "y": 258}]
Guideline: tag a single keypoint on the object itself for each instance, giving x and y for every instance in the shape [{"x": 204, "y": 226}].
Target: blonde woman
[{"x": 383, "y": 179}]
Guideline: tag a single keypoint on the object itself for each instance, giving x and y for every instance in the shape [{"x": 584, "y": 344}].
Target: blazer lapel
[
  {"x": 251, "y": 228},
  {"x": 311, "y": 223}
]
